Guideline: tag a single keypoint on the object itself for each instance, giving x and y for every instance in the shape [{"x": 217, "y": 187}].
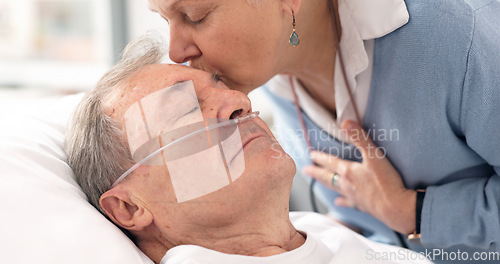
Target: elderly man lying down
[{"x": 181, "y": 164}]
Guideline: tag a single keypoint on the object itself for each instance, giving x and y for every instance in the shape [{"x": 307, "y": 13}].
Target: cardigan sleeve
[{"x": 467, "y": 211}]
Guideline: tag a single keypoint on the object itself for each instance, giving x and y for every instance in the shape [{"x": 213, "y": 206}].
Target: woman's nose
[{"x": 182, "y": 47}]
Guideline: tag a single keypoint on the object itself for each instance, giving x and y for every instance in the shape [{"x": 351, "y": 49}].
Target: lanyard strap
[
  {"x": 341, "y": 59},
  {"x": 342, "y": 68},
  {"x": 301, "y": 117},
  {"x": 297, "y": 103}
]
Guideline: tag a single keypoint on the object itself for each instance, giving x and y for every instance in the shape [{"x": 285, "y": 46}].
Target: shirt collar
[
  {"x": 374, "y": 19},
  {"x": 361, "y": 20}
]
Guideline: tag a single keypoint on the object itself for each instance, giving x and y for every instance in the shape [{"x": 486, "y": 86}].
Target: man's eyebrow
[
  {"x": 179, "y": 81},
  {"x": 174, "y": 88}
]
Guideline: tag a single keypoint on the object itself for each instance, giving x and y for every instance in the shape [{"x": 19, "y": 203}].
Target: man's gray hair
[{"x": 95, "y": 144}]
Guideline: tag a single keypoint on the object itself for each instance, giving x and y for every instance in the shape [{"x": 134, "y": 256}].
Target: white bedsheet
[{"x": 327, "y": 243}]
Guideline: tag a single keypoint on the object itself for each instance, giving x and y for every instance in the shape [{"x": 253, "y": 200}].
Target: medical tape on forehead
[
  {"x": 166, "y": 128},
  {"x": 160, "y": 112}
]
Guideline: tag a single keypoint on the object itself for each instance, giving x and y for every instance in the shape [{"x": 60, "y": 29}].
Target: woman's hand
[{"x": 373, "y": 186}]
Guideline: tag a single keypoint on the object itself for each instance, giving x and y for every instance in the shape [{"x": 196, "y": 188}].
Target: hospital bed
[{"x": 45, "y": 215}]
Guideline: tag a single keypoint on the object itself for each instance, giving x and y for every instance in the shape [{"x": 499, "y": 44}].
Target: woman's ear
[
  {"x": 123, "y": 211},
  {"x": 291, "y": 5}
]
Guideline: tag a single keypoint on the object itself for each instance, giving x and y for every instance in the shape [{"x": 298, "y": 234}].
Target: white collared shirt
[
  {"x": 327, "y": 242},
  {"x": 362, "y": 21}
]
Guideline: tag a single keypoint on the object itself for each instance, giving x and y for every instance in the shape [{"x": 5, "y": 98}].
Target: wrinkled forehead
[{"x": 143, "y": 83}]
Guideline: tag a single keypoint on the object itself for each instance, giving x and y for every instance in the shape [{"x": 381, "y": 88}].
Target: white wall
[
  {"x": 31, "y": 57},
  {"x": 141, "y": 20}
]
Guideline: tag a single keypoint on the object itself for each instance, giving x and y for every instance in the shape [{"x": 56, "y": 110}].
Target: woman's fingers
[
  {"x": 361, "y": 139},
  {"x": 322, "y": 175},
  {"x": 344, "y": 202},
  {"x": 333, "y": 163},
  {"x": 330, "y": 179}
]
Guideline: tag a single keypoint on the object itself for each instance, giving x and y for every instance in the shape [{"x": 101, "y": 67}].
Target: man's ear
[
  {"x": 124, "y": 211},
  {"x": 289, "y": 5}
]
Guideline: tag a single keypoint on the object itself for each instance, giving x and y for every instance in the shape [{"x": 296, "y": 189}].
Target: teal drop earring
[{"x": 294, "y": 38}]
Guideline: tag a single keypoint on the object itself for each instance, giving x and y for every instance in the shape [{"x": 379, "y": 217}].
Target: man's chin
[{"x": 273, "y": 163}]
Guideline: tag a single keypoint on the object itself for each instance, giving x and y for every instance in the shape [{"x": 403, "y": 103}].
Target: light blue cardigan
[{"x": 436, "y": 80}]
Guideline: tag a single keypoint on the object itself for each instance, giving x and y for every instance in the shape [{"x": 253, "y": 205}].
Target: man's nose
[
  {"x": 228, "y": 104},
  {"x": 182, "y": 47}
]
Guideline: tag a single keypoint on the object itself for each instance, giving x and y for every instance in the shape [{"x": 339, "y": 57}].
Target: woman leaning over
[{"x": 413, "y": 85}]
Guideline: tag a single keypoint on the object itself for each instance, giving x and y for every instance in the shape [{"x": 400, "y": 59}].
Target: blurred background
[
  {"x": 50, "y": 48},
  {"x": 63, "y": 46}
]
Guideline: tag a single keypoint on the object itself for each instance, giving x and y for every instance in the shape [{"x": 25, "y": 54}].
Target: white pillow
[{"x": 45, "y": 216}]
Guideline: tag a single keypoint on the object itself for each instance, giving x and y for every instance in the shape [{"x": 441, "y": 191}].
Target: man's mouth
[{"x": 251, "y": 131}]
